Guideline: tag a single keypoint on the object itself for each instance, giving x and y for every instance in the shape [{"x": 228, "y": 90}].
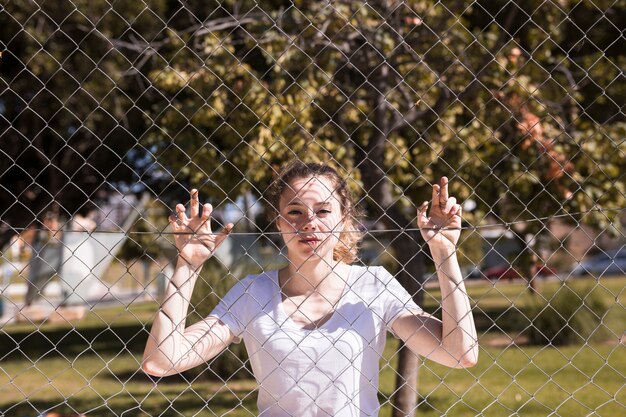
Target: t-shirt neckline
[{"x": 278, "y": 304}]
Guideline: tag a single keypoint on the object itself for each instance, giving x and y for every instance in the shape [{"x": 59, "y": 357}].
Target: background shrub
[{"x": 567, "y": 316}]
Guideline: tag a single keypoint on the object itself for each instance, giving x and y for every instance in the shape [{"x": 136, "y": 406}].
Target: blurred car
[
  {"x": 611, "y": 262},
  {"x": 507, "y": 271},
  {"x": 504, "y": 271}
]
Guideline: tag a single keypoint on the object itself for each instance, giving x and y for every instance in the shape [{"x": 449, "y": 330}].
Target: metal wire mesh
[{"x": 110, "y": 112}]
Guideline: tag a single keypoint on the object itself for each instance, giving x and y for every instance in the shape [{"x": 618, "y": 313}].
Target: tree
[{"x": 69, "y": 102}]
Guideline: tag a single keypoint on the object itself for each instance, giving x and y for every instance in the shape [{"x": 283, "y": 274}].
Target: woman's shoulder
[
  {"x": 258, "y": 283},
  {"x": 371, "y": 275},
  {"x": 380, "y": 287},
  {"x": 375, "y": 270}
]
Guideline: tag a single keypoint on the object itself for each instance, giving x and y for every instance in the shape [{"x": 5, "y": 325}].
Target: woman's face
[{"x": 310, "y": 218}]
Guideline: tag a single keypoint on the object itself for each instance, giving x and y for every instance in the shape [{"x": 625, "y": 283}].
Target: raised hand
[
  {"x": 442, "y": 226},
  {"x": 193, "y": 236}
]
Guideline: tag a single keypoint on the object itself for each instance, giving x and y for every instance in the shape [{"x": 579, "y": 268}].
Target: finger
[
  {"x": 449, "y": 205},
  {"x": 180, "y": 212},
  {"x": 195, "y": 204},
  {"x": 436, "y": 190},
  {"x": 455, "y": 214},
  {"x": 207, "y": 209},
  {"x": 173, "y": 221},
  {"x": 443, "y": 195},
  {"x": 223, "y": 234},
  {"x": 421, "y": 213},
  {"x": 227, "y": 229}
]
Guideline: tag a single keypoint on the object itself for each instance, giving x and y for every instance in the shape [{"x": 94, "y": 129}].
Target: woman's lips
[{"x": 310, "y": 240}]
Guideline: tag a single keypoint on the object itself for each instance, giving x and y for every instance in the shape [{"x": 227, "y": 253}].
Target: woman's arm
[
  {"x": 171, "y": 347},
  {"x": 451, "y": 341}
]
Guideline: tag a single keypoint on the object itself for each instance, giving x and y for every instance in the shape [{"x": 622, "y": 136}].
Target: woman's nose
[{"x": 309, "y": 222}]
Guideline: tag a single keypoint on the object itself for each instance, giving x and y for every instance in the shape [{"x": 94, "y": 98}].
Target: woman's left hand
[{"x": 442, "y": 226}]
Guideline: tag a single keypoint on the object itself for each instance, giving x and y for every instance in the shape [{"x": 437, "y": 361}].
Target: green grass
[
  {"x": 499, "y": 306},
  {"x": 530, "y": 381},
  {"x": 500, "y": 295},
  {"x": 93, "y": 366}
]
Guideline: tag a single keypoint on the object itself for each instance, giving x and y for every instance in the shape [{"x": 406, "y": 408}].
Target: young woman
[{"x": 316, "y": 329}]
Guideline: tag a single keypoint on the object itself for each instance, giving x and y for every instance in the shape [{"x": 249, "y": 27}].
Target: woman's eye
[
  {"x": 295, "y": 212},
  {"x": 324, "y": 211}
]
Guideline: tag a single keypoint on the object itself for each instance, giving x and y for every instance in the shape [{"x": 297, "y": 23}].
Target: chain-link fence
[{"x": 110, "y": 112}]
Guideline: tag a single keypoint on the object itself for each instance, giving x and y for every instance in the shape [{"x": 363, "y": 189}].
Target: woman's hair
[{"x": 349, "y": 238}]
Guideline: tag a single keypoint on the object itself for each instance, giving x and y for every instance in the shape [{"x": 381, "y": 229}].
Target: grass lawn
[
  {"x": 529, "y": 381},
  {"x": 93, "y": 367}
]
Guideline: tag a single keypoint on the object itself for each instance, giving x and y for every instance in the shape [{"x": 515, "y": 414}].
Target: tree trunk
[
  {"x": 409, "y": 255},
  {"x": 406, "y": 246},
  {"x": 526, "y": 262},
  {"x": 407, "y": 382}
]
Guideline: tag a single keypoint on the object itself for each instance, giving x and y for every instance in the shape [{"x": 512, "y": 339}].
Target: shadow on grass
[
  {"x": 158, "y": 402},
  {"x": 71, "y": 342},
  {"x": 509, "y": 319},
  {"x": 141, "y": 377}
]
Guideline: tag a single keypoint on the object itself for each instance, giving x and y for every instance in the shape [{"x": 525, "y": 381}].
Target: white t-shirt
[{"x": 328, "y": 371}]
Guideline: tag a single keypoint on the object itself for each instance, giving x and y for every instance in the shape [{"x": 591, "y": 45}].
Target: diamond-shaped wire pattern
[{"x": 111, "y": 112}]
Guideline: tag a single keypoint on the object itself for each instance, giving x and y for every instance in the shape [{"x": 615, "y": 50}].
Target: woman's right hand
[{"x": 193, "y": 236}]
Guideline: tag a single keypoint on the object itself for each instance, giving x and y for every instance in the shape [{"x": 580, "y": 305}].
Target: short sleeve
[
  {"x": 231, "y": 310},
  {"x": 393, "y": 298}
]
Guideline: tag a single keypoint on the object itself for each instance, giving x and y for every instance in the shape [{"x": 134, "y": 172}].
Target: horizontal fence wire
[
  {"x": 112, "y": 112},
  {"x": 507, "y": 225}
]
